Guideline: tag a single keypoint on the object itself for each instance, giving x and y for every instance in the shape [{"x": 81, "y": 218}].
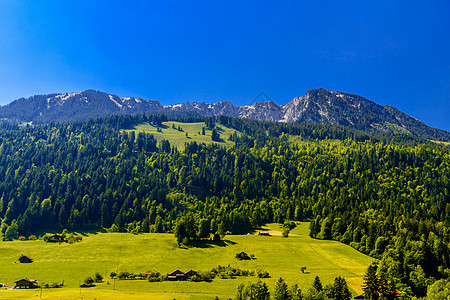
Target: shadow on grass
[
  {"x": 83, "y": 232},
  {"x": 208, "y": 244}
]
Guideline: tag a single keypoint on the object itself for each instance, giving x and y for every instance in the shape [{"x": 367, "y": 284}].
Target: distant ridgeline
[
  {"x": 387, "y": 196},
  {"x": 318, "y": 106}
]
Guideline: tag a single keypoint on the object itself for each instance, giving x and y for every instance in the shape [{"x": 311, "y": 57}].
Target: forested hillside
[{"x": 386, "y": 196}]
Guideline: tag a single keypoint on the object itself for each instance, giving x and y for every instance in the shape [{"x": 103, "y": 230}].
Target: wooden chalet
[
  {"x": 26, "y": 284},
  {"x": 25, "y": 259},
  {"x": 177, "y": 275},
  {"x": 191, "y": 274},
  {"x": 264, "y": 233}
]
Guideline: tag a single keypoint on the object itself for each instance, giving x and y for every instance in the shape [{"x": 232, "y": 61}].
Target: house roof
[
  {"x": 28, "y": 280},
  {"x": 177, "y": 272},
  {"x": 191, "y": 273}
]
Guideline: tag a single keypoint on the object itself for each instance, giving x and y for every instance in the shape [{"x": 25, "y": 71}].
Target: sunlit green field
[
  {"x": 194, "y": 131},
  {"x": 107, "y": 252}
]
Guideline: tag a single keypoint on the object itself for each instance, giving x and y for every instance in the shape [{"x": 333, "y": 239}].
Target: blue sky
[{"x": 392, "y": 52}]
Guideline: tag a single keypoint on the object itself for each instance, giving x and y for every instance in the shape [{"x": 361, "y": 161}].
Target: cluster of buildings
[{"x": 178, "y": 275}]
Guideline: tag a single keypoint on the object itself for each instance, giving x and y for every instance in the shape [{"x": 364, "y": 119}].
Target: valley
[{"x": 108, "y": 252}]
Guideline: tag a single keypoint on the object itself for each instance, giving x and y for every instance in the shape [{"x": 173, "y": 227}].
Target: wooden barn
[
  {"x": 26, "y": 284},
  {"x": 177, "y": 275},
  {"x": 25, "y": 259},
  {"x": 191, "y": 274}
]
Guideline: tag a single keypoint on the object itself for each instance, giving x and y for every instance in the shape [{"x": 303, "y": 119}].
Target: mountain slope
[
  {"x": 73, "y": 107},
  {"x": 331, "y": 107},
  {"x": 317, "y": 106}
]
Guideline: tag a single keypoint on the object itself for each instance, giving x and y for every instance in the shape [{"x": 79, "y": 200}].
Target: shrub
[
  {"x": 124, "y": 275},
  {"x": 289, "y": 224},
  {"x": 32, "y": 238},
  {"x": 113, "y": 228},
  {"x": 243, "y": 256},
  {"x": 216, "y": 237},
  {"x": 22, "y": 238},
  {"x": 89, "y": 280},
  {"x": 262, "y": 274},
  {"x": 154, "y": 277},
  {"x": 98, "y": 277}
]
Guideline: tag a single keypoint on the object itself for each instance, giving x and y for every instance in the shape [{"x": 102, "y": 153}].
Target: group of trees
[
  {"x": 386, "y": 196},
  {"x": 259, "y": 291}
]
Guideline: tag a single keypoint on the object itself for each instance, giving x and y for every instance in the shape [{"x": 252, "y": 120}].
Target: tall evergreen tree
[
  {"x": 281, "y": 290},
  {"x": 371, "y": 283},
  {"x": 340, "y": 290}
]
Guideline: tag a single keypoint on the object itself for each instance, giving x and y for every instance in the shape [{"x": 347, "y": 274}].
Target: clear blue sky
[{"x": 392, "y": 52}]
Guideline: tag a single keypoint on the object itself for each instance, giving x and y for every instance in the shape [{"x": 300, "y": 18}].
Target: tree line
[{"x": 386, "y": 196}]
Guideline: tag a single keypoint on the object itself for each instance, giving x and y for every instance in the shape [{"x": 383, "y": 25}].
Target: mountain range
[{"x": 317, "y": 106}]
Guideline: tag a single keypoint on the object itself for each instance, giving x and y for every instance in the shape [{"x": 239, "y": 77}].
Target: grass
[
  {"x": 107, "y": 252},
  {"x": 441, "y": 142},
  {"x": 194, "y": 131}
]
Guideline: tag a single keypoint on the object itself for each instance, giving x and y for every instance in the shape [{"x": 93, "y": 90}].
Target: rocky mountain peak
[{"x": 316, "y": 106}]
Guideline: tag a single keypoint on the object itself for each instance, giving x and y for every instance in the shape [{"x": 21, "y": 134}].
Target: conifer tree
[
  {"x": 340, "y": 290},
  {"x": 281, "y": 290},
  {"x": 371, "y": 283}
]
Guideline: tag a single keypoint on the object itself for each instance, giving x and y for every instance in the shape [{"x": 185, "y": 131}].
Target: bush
[
  {"x": 289, "y": 224},
  {"x": 154, "y": 277},
  {"x": 32, "y": 238},
  {"x": 22, "y": 238},
  {"x": 113, "y": 228},
  {"x": 98, "y": 277},
  {"x": 262, "y": 274},
  {"x": 89, "y": 280},
  {"x": 124, "y": 275},
  {"x": 113, "y": 275},
  {"x": 216, "y": 237},
  {"x": 243, "y": 256}
]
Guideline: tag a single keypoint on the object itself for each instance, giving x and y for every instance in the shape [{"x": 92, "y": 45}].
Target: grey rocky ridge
[{"x": 317, "y": 106}]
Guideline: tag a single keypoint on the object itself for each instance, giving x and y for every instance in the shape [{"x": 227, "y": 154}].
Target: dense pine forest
[{"x": 387, "y": 196}]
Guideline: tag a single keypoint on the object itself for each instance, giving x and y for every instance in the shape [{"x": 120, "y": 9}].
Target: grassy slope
[
  {"x": 125, "y": 252},
  {"x": 194, "y": 130}
]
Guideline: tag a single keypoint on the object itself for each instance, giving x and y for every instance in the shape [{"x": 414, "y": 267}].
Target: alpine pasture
[{"x": 117, "y": 252}]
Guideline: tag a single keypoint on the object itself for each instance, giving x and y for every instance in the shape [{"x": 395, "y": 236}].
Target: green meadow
[
  {"x": 108, "y": 252},
  {"x": 194, "y": 133}
]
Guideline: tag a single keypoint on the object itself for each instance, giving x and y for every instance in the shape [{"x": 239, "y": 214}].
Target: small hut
[{"x": 25, "y": 259}]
